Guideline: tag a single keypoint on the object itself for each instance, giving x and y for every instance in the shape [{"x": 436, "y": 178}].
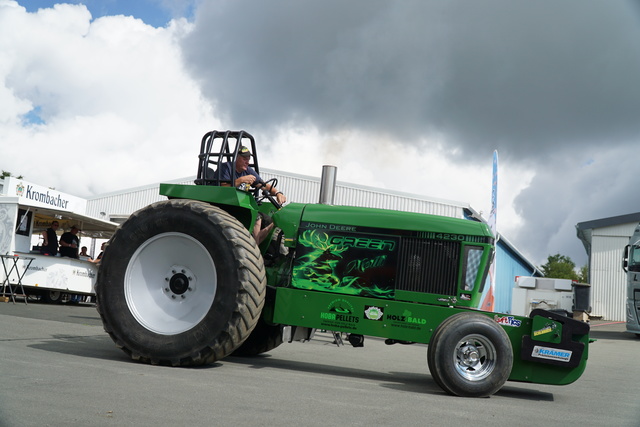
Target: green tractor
[{"x": 183, "y": 283}]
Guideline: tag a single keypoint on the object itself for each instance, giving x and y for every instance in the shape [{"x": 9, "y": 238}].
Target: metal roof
[
  {"x": 584, "y": 230},
  {"x": 534, "y": 270},
  {"x": 299, "y": 188},
  {"x": 606, "y": 222}
]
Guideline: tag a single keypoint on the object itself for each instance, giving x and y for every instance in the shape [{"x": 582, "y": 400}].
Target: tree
[
  {"x": 6, "y": 174},
  {"x": 560, "y": 267},
  {"x": 583, "y": 277}
]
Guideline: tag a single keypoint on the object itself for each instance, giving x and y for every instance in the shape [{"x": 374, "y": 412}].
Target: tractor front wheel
[{"x": 470, "y": 355}]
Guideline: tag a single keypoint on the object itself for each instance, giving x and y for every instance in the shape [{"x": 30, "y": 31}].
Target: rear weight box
[{"x": 547, "y": 345}]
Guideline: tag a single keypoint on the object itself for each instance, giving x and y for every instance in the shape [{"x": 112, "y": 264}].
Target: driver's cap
[{"x": 244, "y": 152}]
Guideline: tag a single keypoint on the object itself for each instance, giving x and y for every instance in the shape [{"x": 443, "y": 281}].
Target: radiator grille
[{"x": 428, "y": 266}]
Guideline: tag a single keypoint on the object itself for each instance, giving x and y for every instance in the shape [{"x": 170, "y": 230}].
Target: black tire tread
[
  {"x": 46, "y": 297},
  {"x": 264, "y": 338},
  {"x": 443, "y": 378},
  {"x": 249, "y": 300}
]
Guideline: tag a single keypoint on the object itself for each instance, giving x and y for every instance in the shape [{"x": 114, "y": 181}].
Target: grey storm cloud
[
  {"x": 563, "y": 194},
  {"x": 524, "y": 77},
  {"x": 553, "y": 85}
]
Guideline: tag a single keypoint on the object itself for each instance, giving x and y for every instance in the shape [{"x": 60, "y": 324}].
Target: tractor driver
[{"x": 246, "y": 175}]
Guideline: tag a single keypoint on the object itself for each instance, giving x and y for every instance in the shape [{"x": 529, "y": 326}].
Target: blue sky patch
[
  {"x": 33, "y": 117},
  {"x": 149, "y": 11}
]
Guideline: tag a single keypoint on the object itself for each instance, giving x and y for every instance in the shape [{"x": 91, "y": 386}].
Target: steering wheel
[{"x": 262, "y": 193}]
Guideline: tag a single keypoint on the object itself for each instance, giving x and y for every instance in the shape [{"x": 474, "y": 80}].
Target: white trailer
[
  {"x": 530, "y": 293},
  {"x": 563, "y": 296},
  {"x": 26, "y": 210}
]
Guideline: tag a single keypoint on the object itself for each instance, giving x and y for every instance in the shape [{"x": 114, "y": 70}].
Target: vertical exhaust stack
[{"x": 328, "y": 184}]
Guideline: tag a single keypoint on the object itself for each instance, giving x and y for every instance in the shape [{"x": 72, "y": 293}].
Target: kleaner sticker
[
  {"x": 545, "y": 330},
  {"x": 551, "y": 353}
]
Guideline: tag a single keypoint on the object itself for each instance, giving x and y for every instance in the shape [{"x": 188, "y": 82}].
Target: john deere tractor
[{"x": 184, "y": 283}]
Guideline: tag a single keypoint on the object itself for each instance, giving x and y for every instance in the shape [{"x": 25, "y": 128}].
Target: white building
[
  {"x": 604, "y": 240},
  {"x": 117, "y": 206}
]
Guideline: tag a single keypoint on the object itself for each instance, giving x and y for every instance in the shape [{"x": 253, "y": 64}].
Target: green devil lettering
[{"x": 363, "y": 243}]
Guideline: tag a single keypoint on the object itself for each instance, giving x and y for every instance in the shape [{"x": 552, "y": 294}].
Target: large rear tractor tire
[
  {"x": 470, "y": 355},
  {"x": 264, "y": 338},
  {"x": 181, "y": 283}
]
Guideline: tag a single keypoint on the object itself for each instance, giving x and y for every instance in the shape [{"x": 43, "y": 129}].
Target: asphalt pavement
[{"x": 59, "y": 368}]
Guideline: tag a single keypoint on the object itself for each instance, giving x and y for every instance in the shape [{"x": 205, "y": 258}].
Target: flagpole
[{"x": 488, "y": 303}]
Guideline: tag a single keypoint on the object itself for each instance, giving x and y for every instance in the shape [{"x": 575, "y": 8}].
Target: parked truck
[
  {"x": 184, "y": 283},
  {"x": 631, "y": 265}
]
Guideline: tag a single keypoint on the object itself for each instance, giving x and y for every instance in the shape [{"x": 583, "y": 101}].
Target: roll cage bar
[{"x": 218, "y": 147}]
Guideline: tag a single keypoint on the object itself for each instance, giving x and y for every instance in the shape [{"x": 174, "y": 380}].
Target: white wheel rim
[{"x": 170, "y": 283}]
